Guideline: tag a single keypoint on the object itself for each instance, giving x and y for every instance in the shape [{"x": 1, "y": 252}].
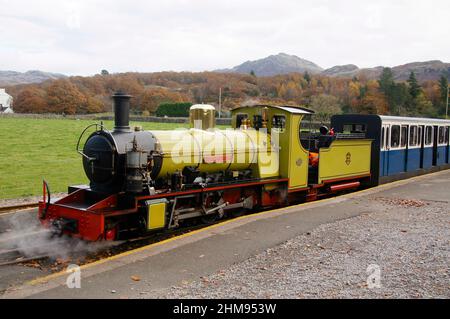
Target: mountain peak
[
  {"x": 281, "y": 63},
  {"x": 342, "y": 70}
]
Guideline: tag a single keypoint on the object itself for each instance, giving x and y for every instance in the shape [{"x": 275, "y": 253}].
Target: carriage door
[
  {"x": 447, "y": 142},
  {"x": 421, "y": 143},
  {"x": 435, "y": 145},
  {"x": 384, "y": 155}
]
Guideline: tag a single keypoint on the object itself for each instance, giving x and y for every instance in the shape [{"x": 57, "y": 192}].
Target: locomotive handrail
[
  {"x": 91, "y": 159},
  {"x": 46, "y": 193}
]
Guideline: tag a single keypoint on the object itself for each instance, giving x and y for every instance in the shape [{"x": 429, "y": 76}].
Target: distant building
[{"x": 5, "y": 102}]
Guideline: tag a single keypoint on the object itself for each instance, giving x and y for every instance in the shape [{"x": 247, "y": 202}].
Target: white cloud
[{"x": 83, "y": 37}]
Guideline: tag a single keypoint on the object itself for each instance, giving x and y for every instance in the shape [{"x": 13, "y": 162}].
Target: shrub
[{"x": 173, "y": 109}]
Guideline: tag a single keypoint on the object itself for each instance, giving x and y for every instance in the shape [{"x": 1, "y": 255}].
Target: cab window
[
  {"x": 239, "y": 118},
  {"x": 395, "y": 136},
  {"x": 279, "y": 122},
  {"x": 382, "y": 138},
  {"x": 354, "y": 128}
]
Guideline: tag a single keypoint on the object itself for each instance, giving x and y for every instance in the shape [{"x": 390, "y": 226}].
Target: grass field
[{"x": 35, "y": 149}]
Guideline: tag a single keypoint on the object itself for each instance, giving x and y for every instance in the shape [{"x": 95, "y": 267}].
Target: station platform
[{"x": 181, "y": 266}]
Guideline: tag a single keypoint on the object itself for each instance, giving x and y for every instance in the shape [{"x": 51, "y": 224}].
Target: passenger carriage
[{"x": 403, "y": 146}]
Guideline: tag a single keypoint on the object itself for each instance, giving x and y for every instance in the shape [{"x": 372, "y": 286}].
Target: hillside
[
  {"x": 325, "y": 94},
  {"x": 281, "y": 63},
  {"x": 348, "y": 70},
  {"x": 425, "y": 71},
  {"x": 344, "y": 88},
  {"x": 34, "y": 76}
]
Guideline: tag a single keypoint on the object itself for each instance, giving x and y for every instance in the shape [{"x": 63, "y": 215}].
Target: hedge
[{"x": 173, "y": 109}]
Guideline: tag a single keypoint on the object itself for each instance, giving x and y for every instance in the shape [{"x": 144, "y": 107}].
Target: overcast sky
[{"x": 83, "y": 37}]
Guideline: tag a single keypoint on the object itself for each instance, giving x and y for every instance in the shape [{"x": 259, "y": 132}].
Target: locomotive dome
[{"x": 202, "y": 116}]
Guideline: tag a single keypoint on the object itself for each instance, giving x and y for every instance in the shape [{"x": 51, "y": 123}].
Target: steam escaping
[{"x": 22, "y": 234}]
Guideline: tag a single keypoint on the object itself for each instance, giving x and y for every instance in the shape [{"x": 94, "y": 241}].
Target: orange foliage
[
  {"x": 150, "y": 99},
  {"x": 92, "y": 94},
  {"x": 31, "y": 100}
]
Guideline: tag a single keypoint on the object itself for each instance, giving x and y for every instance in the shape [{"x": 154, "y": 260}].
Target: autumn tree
[
  {"x": 152, "y": 98},
  {"x": 31, "y": 100},
  {"x": 424, "y": 107},
  {"x": 371, "y": 99},
  {"x": 325, "y": 106},
  {"x": 64, "y": 97},
  {"x": 359, "y": 95},
  {"x": 368, "y": 104},
  {"x": 92, "y": 105},
  {"x": 444, "y": 90}
]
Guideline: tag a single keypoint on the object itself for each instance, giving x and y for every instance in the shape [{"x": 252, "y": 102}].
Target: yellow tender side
[{"x": 344, "y": 159}]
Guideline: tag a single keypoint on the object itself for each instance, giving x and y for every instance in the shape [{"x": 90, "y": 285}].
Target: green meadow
[{"x": 35, "y": 149}]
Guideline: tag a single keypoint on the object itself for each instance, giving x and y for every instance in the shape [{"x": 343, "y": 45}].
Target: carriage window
[
  {"x": 447, "y": 132},
  {"x": 428, "y": 135},
  {"x": 413, "y": 136},
  {"x": 395, "y": 135},
  {"x": 279, "y": 122},
  {"x": 420, "y": 135},
  {"x": 382, "y": 138},
  {"x": 441, "y": 135},
  {"x": 404, "y": 135}
]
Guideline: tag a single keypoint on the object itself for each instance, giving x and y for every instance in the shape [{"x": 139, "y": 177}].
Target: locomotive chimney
[{"x": 121, "y": 106}]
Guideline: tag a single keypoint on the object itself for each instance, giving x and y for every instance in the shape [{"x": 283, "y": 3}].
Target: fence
[{"x": 314, "y": 125}]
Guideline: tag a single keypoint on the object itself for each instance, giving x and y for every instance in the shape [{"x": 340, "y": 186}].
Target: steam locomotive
[{"x": 144, "y": 181}]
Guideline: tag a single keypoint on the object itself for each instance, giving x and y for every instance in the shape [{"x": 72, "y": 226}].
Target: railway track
[
  {"x": 44, "y": 253},
  {"x": 14, "y": 208},
  {"x": 21, "y": 259},
  {"x": 12, "y": 252}
]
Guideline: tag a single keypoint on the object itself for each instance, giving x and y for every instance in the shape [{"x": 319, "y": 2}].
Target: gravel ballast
[{"x": 406, "y": 240}]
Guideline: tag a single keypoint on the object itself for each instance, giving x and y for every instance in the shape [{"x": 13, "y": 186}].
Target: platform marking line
[{"x": 375, "y": 189}]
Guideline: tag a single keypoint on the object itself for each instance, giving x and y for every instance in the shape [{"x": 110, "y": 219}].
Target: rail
[{"x": 13, "y": 208}]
